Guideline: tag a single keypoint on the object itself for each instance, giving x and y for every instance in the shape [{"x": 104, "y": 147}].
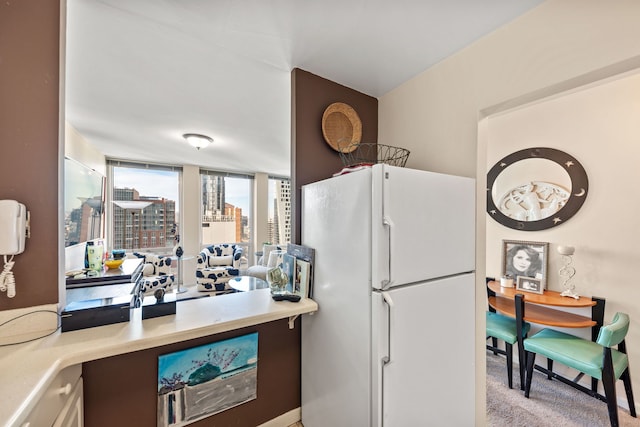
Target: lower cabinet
[
  {"x": 72, "y": 413},
  {"x": 61, "y": 405}
]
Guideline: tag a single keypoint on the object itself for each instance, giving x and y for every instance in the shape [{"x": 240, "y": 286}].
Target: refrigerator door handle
[
  {"x": 386, "y": 359},
  {"x": 387, "y": 299},
  {"x": 389, "y": 224}
]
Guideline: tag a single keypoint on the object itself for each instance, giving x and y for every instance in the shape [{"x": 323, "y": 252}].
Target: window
[
  {"x": 226, "y": 208},
  {"x": 144, "y": 206},
  {"x": 279, "y": 211}
]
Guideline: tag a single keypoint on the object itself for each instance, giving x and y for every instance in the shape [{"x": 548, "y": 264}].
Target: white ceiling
[{"x": 140, "y": 73}]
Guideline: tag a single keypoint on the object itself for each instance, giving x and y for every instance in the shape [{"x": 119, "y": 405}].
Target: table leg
[{"x": 180, "y": 289}]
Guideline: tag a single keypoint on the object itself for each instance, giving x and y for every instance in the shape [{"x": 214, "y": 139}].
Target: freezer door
[
  {"x": 423, "y": 226},
  {"x": 428, "y": 377}
]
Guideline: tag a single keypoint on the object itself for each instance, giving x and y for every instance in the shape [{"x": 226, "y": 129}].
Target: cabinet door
[
  {"x": 72, "y": 414},
  {"x": 56, "y": 397}
]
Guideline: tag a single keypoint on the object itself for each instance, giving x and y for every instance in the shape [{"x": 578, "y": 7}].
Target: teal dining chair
[
  {"x": 597, "y": 359},
  {"x": 505, "y": 328}
]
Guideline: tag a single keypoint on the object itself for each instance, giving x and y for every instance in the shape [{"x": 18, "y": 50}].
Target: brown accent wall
[
  {"x": 121, "y": 390},
  {"x": 29, "y": 156},
  {"x": 312, "y": 159}
]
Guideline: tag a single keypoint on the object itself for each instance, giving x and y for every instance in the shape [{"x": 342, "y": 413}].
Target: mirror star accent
[{"x": 536, "y": 202}]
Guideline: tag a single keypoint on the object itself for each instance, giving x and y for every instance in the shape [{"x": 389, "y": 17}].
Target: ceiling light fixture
[{"x": 197, "y": 140}]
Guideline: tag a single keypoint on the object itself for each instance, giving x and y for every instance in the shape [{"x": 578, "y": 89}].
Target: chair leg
[
  {"x": 626, "y": 379},
  {"x": 509, "y": 350},
  {"x": 521, "y": 363},
  {"x": 609, "y": 384},
  {"x": 550, "y": 368},
  {"x": 531, "y": 360},
  {"x": 494, "y": 344}
]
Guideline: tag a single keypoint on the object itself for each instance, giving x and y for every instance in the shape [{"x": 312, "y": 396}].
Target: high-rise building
[
  {"x": 280, "y": 227},
  {"x": 221, "y": 222},
  {"x": 213, "y": 202},
  {"x": 149, "y": 227}
]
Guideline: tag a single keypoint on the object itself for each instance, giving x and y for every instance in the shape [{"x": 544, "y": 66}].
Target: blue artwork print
[{"x": 201, "y": 381}]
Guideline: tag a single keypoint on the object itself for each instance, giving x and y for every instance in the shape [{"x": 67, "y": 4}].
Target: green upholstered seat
[
  {"x": 504, "y": 327},
  {"x": 501, "y": 327},
  {"x": 598, "y": 359},
  {"x": 578, "y": 353}
]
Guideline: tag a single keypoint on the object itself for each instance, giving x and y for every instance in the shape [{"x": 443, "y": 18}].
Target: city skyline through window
[
  {"x": 144, "y": 207},
  {"x": 226, "y": 208}
]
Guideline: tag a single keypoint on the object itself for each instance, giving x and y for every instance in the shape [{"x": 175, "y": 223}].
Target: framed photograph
[
  {"x": 527, "y": 259},
  {"x": 529, "y": 284}
]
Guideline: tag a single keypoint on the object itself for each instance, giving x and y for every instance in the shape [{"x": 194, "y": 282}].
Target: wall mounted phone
[{"x": 14, "y": 228}]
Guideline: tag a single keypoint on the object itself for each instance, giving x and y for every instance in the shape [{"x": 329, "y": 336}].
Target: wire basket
[{"x": 367, "y": 154}]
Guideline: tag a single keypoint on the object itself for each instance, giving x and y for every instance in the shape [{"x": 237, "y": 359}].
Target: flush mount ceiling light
[{"x": 197, "y": 140}]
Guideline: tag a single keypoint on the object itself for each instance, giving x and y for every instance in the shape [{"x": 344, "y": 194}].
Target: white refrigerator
[{"x": 392, "y": 343}]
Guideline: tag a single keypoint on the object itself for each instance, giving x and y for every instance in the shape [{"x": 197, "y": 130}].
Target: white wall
[
  {"x": 600, "y": 127},
  {"x": 261, "y": 204},
  {"x": 190, "y": 221},
  {"x": 559, "y": 45},
  {"x": 76, "y": 147}
]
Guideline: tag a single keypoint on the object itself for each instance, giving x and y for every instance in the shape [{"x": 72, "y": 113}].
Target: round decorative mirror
[{"x": 535, "y": 189}]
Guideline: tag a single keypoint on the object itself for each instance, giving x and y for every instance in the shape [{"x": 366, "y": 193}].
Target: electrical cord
[
  {"x": 32, "y": 339},
  {"x": 7, "y": 280}
]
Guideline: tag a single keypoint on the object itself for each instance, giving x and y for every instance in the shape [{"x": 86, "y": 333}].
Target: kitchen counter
[{"x": 28, "y": 369}]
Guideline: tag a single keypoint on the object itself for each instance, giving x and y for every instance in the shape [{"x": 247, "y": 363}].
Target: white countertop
[{"x": 27, "y": 369}]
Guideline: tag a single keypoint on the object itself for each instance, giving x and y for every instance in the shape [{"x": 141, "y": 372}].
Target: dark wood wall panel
[
  {"x": 29, "y": 160},
  {"x": 121, "y": 390},
  {"x": 312, "y": 159}
]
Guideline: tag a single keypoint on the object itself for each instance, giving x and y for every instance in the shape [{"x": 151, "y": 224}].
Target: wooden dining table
[{"x": 539, "y": 307}]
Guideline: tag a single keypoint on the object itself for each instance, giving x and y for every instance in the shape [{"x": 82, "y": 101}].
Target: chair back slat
[
  {"x": 490, "y": 293},
  {"x": 615, "y": 332}
]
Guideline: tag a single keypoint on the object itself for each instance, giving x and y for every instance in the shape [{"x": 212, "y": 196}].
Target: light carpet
[{"x": 550, "y": 403}]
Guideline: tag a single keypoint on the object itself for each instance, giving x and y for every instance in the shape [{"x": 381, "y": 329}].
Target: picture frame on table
[
  {"x": 524, "y": 258},
  {"x": 530, "y": 284}
]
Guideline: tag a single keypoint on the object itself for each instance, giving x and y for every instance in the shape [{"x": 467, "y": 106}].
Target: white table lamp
[{"x": 567, "y": 271}]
